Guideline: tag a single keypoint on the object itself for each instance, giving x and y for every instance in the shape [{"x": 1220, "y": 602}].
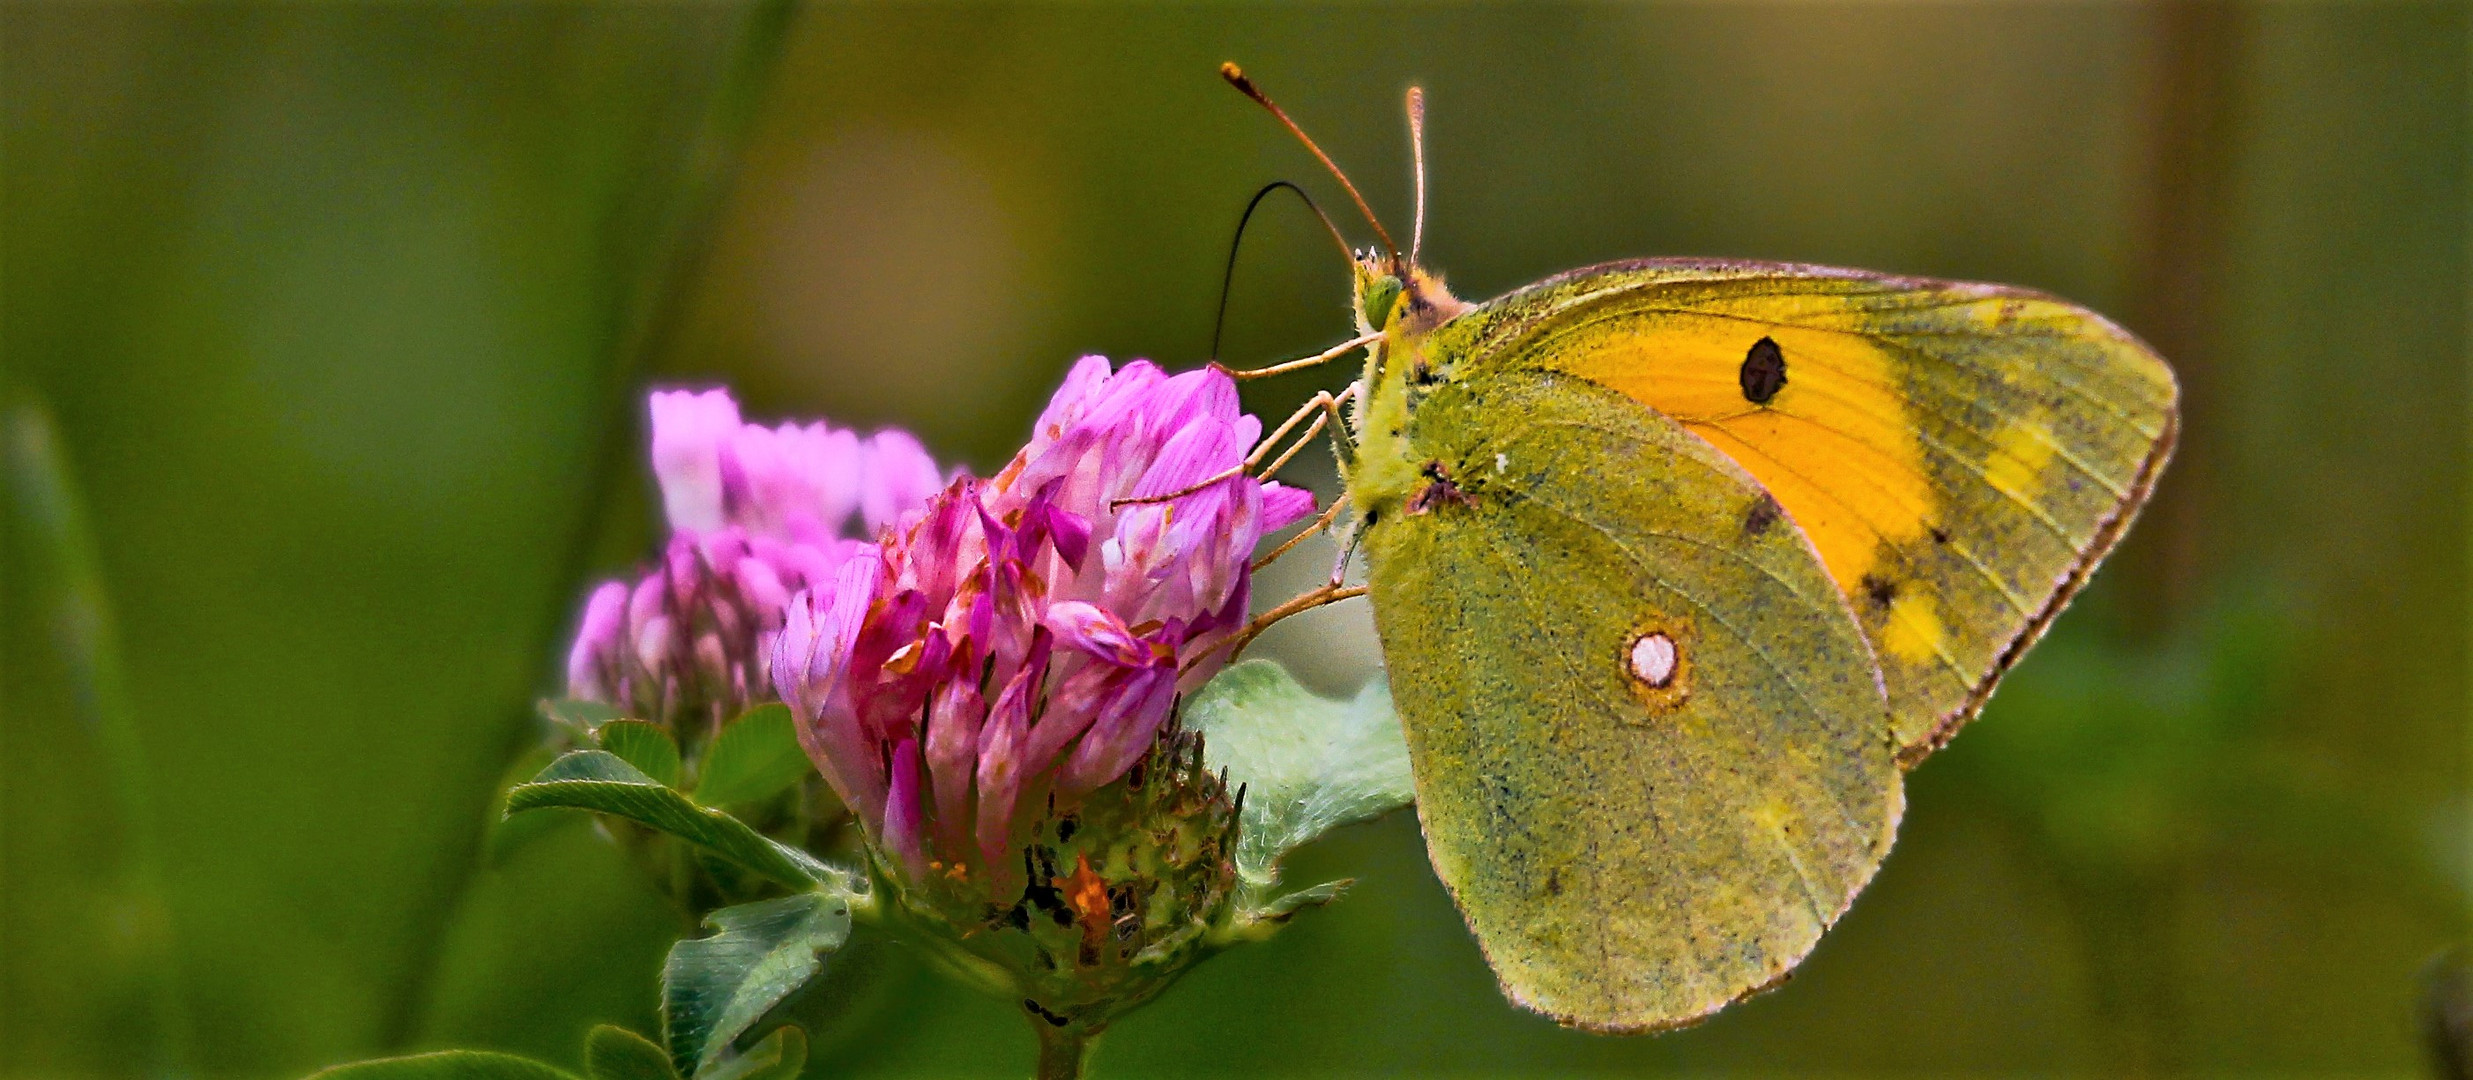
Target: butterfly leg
[
  {"x": 1301, "y": 603},
  {"x": 1328, "y": 419},
  {"x": 1323, "y": 357},
  {"x": 1348, "y": 550},
  {"x": 1322, "y": 407},
  {"x": 1321, "y": 524}
]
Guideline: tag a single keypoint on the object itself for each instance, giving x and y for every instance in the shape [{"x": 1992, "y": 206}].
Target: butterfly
[{"x": 1678, "y": 564}]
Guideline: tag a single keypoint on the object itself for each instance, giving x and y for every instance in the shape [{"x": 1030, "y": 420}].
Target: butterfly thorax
[{"x": 1408, "y": 307}]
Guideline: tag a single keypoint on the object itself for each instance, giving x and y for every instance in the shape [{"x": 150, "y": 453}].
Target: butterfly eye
[{"x": 1375, "y": 296}]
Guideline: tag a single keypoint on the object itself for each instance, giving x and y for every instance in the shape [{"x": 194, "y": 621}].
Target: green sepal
[
  {"x": 781, "y": 1055},
  {"x": 600, "y": 781},
  {"x": 1288, "y": 904},
  {"x": 577, "y": 715},
  {"x": 646, "y": 746},
  {"x": 1308, "y": 765},
  {"x": 446, "y": 1065},
  {"x": 615, "y": 1053},
  {"x": 713, "y": 989},
  {"x": 756, "y": 757}
]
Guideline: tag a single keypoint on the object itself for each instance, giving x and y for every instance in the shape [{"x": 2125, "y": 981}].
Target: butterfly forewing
[
  {"x": 1960, "y": 455},
  {"x": 1652, "y": 755}
]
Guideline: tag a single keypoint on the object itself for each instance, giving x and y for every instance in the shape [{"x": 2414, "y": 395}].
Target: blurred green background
[{"x": 325, "y": 330}]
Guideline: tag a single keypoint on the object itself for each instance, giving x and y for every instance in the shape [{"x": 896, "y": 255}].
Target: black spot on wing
[
  {"x": 1882, "y": 591},
  {"x": 1763, "y": 514},
  {"x": 1763, "y": 373}
]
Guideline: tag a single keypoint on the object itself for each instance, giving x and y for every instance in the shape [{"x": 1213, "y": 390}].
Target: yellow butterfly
[{"x": 1678, "y": 563}]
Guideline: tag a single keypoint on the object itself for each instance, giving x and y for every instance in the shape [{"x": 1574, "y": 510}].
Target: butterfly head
[{"x": 1391, "y": 292}]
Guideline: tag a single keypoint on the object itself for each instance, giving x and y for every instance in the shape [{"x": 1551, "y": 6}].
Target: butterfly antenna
[
  {"x": 1416, "y": 155},
  {"x": 1236, "y": 78},
  {"x": 1227, "y": 277}
]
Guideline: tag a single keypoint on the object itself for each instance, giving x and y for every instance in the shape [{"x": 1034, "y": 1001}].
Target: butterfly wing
[
  {"x": 1961, "y": 455},
  {"x": 1638, "y": 830}
]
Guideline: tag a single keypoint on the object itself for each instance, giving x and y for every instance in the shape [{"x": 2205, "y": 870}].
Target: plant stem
[{"x": 1063, "y": 1051}]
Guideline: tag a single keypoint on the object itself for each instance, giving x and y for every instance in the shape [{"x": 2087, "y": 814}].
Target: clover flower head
[
  {"x": 1022, "y": 641},
  {"x": 757, "y": 514}
]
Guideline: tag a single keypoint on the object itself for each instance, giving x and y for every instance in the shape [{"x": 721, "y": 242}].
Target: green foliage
[
  {"x": 446, "y": 1065},
  {"x": 615, "y": 1053},
  {"x": 603, "y": 782},
  {"x": 578, "y": 715},
  {"x": 1308, "y": 765},
  {"x": 779, "y": 1056},
  {"x": 610, "y": 1053},
  {"x": 647, "y": 746},
  {"x": 756, "y": 757},
  {"x": 714, "y": 989}
]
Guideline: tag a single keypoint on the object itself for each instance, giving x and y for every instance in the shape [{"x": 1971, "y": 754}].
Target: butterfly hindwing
[
  {"x": 1960, "y": 455},
  {"x": 1652, "y": 755}
]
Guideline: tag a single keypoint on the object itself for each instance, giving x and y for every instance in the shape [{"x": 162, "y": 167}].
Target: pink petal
[
  {"x": 1283, "y": 506},
  {"x": 899, "y": 476},
  {"x": 597, "y": 639},
  {"x": 1000, "y": 764},
  {"x": 1085, "y": 627},
  {"x": 953, "y": 724},
  {"x": 1075, "y": 702},
  {"x": 1121, "y": 733},
  {"x": 688, "y": 431},
  {"x": 904, "y": 829},
  {"x": 1067, "y": 404}
]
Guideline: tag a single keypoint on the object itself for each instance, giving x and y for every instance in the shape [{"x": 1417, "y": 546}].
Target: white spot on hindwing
[
  {"x": 1653, "y": 660},
  {"x": 1657, "y": 659},
  {"x": 1501, "y": 462}
]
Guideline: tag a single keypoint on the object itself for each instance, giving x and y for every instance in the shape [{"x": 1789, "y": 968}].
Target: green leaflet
[
  {"x": 610, "y": 1053},
  {"x": 778, "y": 1056},
  {"x": 1308, "y": 764},
  {"x": 714, "y": 989},
  {"x": 615, "y": 1053},
  {"x": 647, "y": 747},
  {"x": 603, "y": 782},
  {"x": 755, "y": 757},
  {"x": 446, "y": 1065}
]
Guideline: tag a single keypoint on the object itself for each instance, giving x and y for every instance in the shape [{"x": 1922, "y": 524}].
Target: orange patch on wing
[{"x": 1834, "y": 446}]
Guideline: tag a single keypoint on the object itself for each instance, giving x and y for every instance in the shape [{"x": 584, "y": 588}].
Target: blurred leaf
[
  {"x": 780, "y": 1056},
  {"x": 46, "y": 507},
  {"x": 578, "y": 715},
  {"x": 615, "y": 1053},
  {"x": 603, "y": 782},
  {"x": 713, "y": 989},
  {"x": 647, "y": 747},
  {"x": 446, "y": 1065},
  {"x": 1308, "y": 764},
  {"x": 756, "y": 757}
]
